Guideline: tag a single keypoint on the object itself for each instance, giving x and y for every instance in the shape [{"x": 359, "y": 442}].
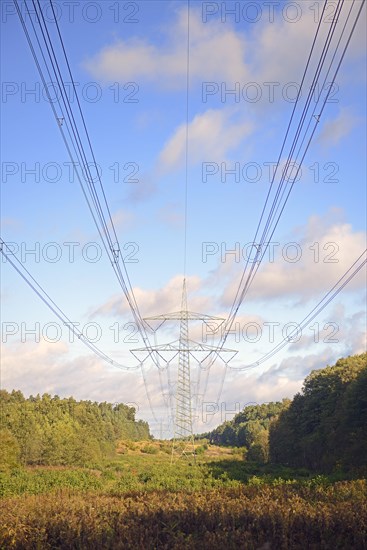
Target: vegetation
[
  {"x": 249, "y": 429},
  {"x": 305, "y": 490},
  {"x": 52, "y": 431},
  {"x": 139, "y": 500},
  {"x": 168, "y": 509},
  {"x": 325, "y": 427}
]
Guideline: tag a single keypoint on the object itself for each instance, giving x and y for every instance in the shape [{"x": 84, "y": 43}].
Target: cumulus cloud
[
  {"x": 305, "y": 265},
  {"x": 122, "y": 218},
  {"x": 211, "y": 135},
  {"x": 280, "y": 380},
  {"x": 335, "y": 129},
  {"x": 164, "y": 300},
  {"x": 266, "y": 57},
  {"x": 217, "y": 52},
  {"x": 296, "y": 367},
  {"x": 48, "y": 367},
  {"x": 350, "y": 330},
  {"x": 243, "y": 388}
]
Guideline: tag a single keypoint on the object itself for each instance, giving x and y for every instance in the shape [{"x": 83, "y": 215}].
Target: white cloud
[
  {"x": 280, "y": 45},
  {"x": 293, "y": 370},
  {"x": 211, "y": 135},
  {"x": 49, "y": 368},
  {"x": 267, "y": 55},
  {"x": 216, "y": 52},
  {"x": 254, "y": 387},
  {"x": 122, "y": 218},
  {"x": 335, "y": 129},
  {"x": 304, "y": 266},
  {"x": 349, "y": 330},
  {"x": 271, "y": 51},
  {"x": 163, "y": 300}
]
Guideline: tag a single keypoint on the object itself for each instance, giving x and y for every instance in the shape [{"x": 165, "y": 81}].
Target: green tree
[
  {"x": 51, "y": 430},
  {"x": 9, "y": 450},
  {"x": 325, "y": 427}
]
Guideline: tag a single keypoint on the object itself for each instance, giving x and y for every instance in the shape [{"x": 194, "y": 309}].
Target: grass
[
  {"x": 147, "y": 467},
  {"x": 247, "y": 517},
  {"x": 129, "y": 472},
  {"x": 139, "y": 500}
]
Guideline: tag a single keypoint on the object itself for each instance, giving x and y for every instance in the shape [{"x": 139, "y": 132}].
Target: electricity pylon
[
  {"x": 185, "y": 349},
  {"x": 183, "y": 420}
]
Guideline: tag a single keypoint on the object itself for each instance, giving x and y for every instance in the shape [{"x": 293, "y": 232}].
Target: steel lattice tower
[
  {"x": 183, "y": 349},
  {"x": 183, "y": 421}
]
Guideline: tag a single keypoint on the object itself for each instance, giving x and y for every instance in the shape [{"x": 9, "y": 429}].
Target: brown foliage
[{"x": 274, "y": 517}]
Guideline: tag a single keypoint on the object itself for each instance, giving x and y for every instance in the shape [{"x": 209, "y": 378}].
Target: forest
[
  {"x": 284, "y": 475},
  {"x": 249, "y": 429},
  {"x": 324, "y": 427},
  {"x": 52, "y": 431}
]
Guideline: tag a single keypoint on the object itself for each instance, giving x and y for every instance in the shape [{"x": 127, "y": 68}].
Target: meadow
[{"x": 139, "y": 500}]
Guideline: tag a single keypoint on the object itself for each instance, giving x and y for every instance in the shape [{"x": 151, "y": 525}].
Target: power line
[
  {"x": 101, "y": 214},
  {"x": 266, "y": 236},
  {"x": 77, "y": 144},
  {"x": 94, "y": 159},
  {"x": 282, "y": 147},
  {"x": 99, "y": 207},
  {"x": 56, "y": 310},
  {"x": 261, "y": 249},
  {"x": 187, "y": 132},
  {"x": 102, "y": 226},
  {"x": 334, "y": 291}
]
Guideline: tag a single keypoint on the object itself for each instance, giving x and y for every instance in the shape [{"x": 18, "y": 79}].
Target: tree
[
  {"x": 9, "y": 450},
  {"x": 51, "y": 430},
  {"x": 259, "y": 449},
  {"x": 325, "y": 426},
  {"x": 249, "y": 429}
]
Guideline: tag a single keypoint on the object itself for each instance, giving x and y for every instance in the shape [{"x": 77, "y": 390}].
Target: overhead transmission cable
[
  {"x": 111, "y": 245},
  {"x": 354, "y": 269},
  {"x": 187, "y": 134},
  {"x": 263, "y": 245},
  {"x": 266, "y": 238},
  {"x": 282, "y": 148},
  {"x": 56, "y": 310},
  {"x": 261, "y": 249},
  {"x": 237, "y": 300}
]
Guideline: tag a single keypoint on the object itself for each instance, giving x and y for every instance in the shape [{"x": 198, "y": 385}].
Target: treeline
[
  {"x": 249, "y": 429},
  {"x": 52, "y": 431},
  {"x": 325, "y": 426}
]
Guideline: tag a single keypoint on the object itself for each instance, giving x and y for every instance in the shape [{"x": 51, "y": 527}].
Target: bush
[
  {"x": 258, "y": 516},
  {"x": 9, "y": 451},
  {"x": 200, "y": 450},
  {"x": 149, "y": 449}
]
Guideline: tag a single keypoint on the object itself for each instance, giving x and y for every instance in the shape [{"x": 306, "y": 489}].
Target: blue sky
[{"x": 137, "y": 51}]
